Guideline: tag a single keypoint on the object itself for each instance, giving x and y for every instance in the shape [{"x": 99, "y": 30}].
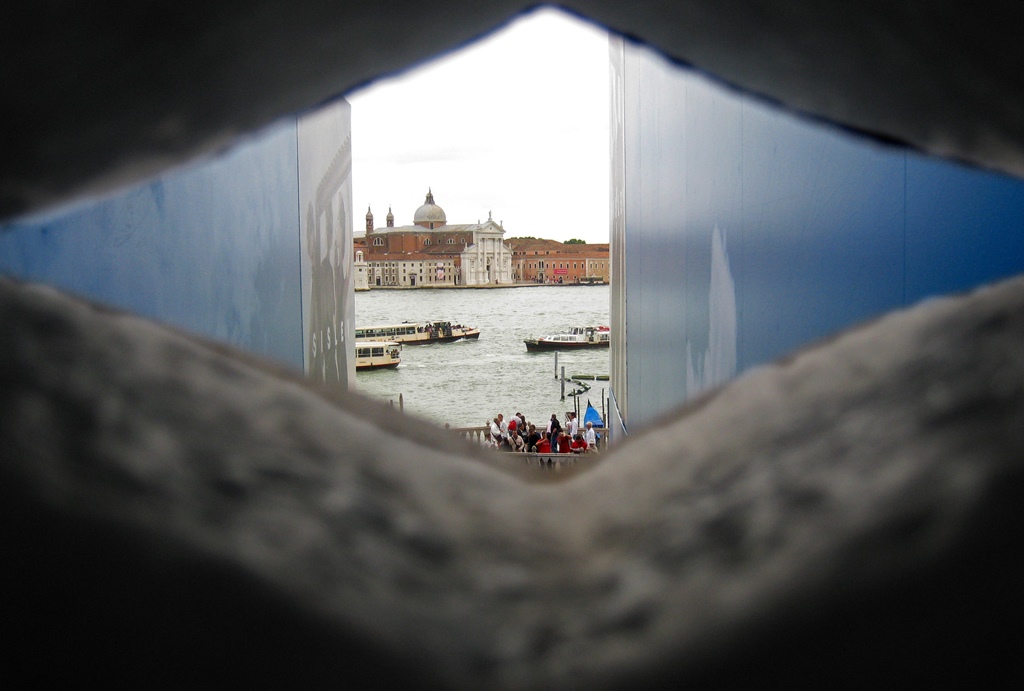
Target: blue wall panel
[
  {"x": 964, "y": 228},
  {"x": 818, "y": 244},
  {"x": 749, "y": 233},
  {"x": 213, "y": 249}
]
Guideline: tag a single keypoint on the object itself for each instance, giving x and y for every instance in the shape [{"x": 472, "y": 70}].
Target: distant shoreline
[{"x": 485, "y": 286}]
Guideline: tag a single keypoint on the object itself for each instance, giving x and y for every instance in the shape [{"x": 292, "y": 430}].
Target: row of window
[
  {"x": 390, "y": 267},
  {"x": 386, "y": 332},
  {"x": 523, "y": 253},
  {"x": 426, "y": 241},
  {"x": 575, "y": 265},
  {"x": 405, "y": 265},
  {"x": 379, "y": 242},
  {"x": 427, "y": 262}
]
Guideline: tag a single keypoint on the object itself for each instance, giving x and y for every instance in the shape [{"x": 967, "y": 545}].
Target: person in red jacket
[
  {"x": 579, "y": 444},
  {"x": 564, "y": 442}
]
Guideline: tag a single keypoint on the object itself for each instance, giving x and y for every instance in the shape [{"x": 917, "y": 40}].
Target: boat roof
[
  {"x": 578, "y": 331},
  {"x": 385, "y": 344},
  {"x": 389, "y": 326},
  {"x": 403, "y": 325}
]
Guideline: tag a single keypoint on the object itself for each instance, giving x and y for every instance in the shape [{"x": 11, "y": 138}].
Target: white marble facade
[{"x": 488, "y": 260}]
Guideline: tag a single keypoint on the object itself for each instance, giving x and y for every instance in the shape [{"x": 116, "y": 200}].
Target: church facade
[{"x": 433, "y": 253}]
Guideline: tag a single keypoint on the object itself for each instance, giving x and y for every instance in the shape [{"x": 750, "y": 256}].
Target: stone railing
[
  {"x": 537, "y": 467},
  {"x": 477, "y": 435},
  {"x": 545, "y": 467}
]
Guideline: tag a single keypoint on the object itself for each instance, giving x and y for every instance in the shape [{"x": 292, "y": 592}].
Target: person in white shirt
[
  {"x": 574, "y": 425},
  {"x": 590, "y": 436}
]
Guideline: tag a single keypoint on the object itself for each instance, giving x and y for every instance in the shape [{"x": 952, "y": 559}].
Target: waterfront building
[
  {"x": 432, "y": 252},
  {"x": 536, "y": 260}
]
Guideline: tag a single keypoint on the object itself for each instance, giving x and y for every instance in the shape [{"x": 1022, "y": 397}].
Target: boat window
[
  {"x": 362, "y": 352},
  {"x": 378, "y": 352}
]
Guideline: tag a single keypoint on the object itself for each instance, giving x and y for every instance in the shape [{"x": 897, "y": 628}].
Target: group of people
[{"x": 516, "y": 434}]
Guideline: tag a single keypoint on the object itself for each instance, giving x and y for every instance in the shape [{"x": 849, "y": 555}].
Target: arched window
[
  {"x": 378, "y": 242},
  {"x": 451, "y": 241},
  {"x": 426, "y": 241}
]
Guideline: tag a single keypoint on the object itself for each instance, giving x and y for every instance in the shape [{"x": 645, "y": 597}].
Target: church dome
[{"x": 430, "y": 213}]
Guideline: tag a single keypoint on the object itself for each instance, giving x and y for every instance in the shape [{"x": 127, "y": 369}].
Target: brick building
[
  {"x": 432, "y": 252},
  {"x": 549, "y": 261}
]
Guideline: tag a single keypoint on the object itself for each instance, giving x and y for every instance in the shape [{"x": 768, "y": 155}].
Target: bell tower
[{"x": 369, "y": 221}]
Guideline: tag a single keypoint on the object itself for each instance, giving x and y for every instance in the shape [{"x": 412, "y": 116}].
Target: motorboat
[
  {"x": 576, "y": 338},
  {"x": 372, "y": 355},
  {"x": 418, "y": 333}
]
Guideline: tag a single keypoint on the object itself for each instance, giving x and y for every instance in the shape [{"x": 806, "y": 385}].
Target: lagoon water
[{"x": 466, "y": 383}]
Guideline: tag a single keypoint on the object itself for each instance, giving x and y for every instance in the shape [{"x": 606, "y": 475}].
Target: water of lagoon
[{"x": 466, "y": 383}]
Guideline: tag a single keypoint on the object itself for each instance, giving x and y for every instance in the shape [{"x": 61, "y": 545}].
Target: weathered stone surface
[
  {"x": 102, "y": 93},
  {"x": 172, "y": 512}
]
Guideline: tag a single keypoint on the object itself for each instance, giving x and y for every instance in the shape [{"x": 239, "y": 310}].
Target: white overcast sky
[{"x": 516, "y": 124}]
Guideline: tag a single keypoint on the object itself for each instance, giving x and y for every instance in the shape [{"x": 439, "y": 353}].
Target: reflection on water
[{"x": 469, "y": 382}]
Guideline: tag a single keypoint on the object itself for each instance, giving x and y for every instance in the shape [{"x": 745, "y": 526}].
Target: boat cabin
[{"x": 377, "y": 355}]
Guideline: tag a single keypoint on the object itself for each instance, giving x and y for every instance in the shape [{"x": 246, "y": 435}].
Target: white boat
[
  {"x": 576, "y": 338},
  {"x": 377, "y": 354},
  {"x": 417, "y": 333}
]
